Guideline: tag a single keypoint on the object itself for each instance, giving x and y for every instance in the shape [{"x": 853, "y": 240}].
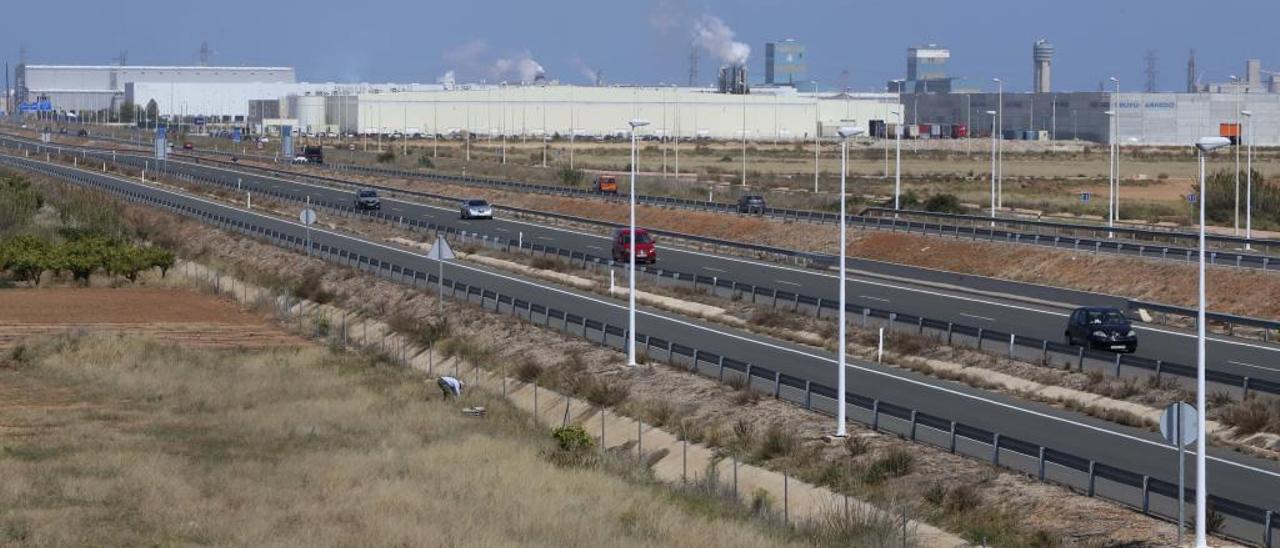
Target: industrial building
[
  {"x": 229, "y": 102},
  {"x": 70, "y": 88},
  {"x": 784, "y": 63},
  {"x": 598, "y": 112}
]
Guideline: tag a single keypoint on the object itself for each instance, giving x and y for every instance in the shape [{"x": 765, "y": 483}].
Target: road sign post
[
  {"x": 440, "y": 252},
  {"x": 308, "y": 217},
  {"x": 1178, "y": 425}
]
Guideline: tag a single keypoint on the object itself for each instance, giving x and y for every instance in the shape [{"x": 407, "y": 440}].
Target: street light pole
[
  {"x": 1248, "y": 185},
  {"x": 1204, "y": 146},
  {"x": 845, "y": 134},
  {"x": 999, "y": 145},
  {"x": 897, "y": 159},
  {"x": 1236, "y": 213},
  {"x": 631, "y": 253},
  {"x": 1115, "y": 157},
  {"x": 993, "y": 114},
  {"x": 1111, "y": 169}
]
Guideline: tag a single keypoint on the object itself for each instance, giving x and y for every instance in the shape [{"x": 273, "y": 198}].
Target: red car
[{"x": 646, "y": 252}]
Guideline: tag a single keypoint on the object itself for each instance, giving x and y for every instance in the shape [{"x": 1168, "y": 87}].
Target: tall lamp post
[
  {"x": 998, "y": 134},
  {"x": 1111, "y": 169},
  {"x": 1236, "y": 214},
  {"x": 897, "y": 161},
  {"x": 1114, "y": 198},
  {"x": 993, "y": 114},
  {"x": 1248, "y": 171},
  {"x": 845, "y": 134},
  {"x": 631, "y": 253},
  {"x": 1204, "y": 146}
]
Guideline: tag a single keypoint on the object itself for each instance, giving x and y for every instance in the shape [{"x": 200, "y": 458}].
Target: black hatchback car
[
  {"x": 1103, "y": 328},
  {"x": 751, "y": 204}
]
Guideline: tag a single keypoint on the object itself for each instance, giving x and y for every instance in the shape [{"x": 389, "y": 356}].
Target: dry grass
[{"x": 127, "y": 443}]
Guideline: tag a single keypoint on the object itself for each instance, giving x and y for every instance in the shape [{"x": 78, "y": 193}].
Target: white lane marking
[
  {"x": 596, "y": 247},
  {"x": 713, "y": 269},
  {"x": 1263, "y": 367},
  {"x": 546, "y": 238},
  {"x": 500, "y": 229},
  {"x": 984, "y": 318},
  {"x": 703, "y": 328},
  {"x": 824, "y": 275},
  {"x": 881, "y": 299},
  {"x": 788, "y": 283}
]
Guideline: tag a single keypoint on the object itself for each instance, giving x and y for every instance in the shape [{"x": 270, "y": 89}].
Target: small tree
[
  {"x": 84, "y": 256},
  {"x": 128, "y": 261},
  {"x": 127, "y": 112},
  {"x": 27, "y": 257},
  {"x": 159, "y": 258},
  {"x": 153, "y": 110}
]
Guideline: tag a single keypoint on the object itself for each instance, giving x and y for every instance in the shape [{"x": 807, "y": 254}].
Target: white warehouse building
[
  {"x": 230, "y": 101},
  {"x": 603, "y": 111},
  {"x": 81, "y": 88}
]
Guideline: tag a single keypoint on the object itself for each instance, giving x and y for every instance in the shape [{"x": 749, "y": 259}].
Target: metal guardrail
[
  {"x": 809, "y": 259},
  {"x": 1028, "y": 349},
  {"x": 1096, "y": 479}
]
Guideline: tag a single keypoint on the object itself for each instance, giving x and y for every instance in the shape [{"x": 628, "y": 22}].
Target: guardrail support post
[
  {"x": 808, "y": 395},
  {"x": 1011, "y": 338},
  {"x": 875, "y": 415},
  {"x": 953, "y": 437},
  {"x": 980, "y": 331},
  {"x": 1245, "y": 386},
  {"x": 1041, "y": 464},
  {"x": 777, "y": 383},
  {"x": 950, "y": 326},
  {"x": 1117, "y": 365},
  {"x": 694, "y": 367},
  {"x": 1092, "y": 476},
  {"x": 920, "y": 326},
  {"x": 995, "y": 449},
  {"x": 1146, "y": 495},
  {"x": 1159, "y": 366},
  {"x": 913, "y": 424},
  {"x": 1044, "y": 352},
  {"x": 720, "y": 374},
  {"x": 1268, "y": 522},
  {"x": 1080, "y": 362}
]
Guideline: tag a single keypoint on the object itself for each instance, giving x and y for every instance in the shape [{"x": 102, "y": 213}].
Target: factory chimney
[{"x": 1042, "y": 56}]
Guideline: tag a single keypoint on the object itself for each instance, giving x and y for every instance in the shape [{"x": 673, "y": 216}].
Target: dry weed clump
[{"x": 1251, "y": 415}]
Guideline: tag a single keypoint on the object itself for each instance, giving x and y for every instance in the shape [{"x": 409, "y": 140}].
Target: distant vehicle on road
[
  {"x": 188, "y": 146},
  {"x": 1103, "y": 328},
  {"x": 646, "y": 252},
  {"x": 367, "y": 199},
  {"x": 606, "y": 184},
  {"x": 299, "y": 159},
  {"x": 751, "y": 204},
  {"x": 476, "y": 209},
  {"x": 82, "y": 133},
  {"x": 314, "y": 154}
]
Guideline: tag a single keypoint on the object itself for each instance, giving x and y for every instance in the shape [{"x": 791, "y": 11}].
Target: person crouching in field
[{"x": 451, "y": 387}]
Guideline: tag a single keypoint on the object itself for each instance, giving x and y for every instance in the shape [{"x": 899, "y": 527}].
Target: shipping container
[
  {"x": 877, "y": 129},
  {"x": 959, "y": 131},
  {"x": 1029, "y": 135},
  {"x": 935, "y": 131},
  {"x": 1042, "y": 135},
  {"x": 1230, "y": 131},
  {"x": 1012, "y": 135},
  {"x": 911, "y": 131}
]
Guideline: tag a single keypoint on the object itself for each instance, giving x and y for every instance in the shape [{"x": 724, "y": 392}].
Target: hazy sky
[{"x": 648, "y": 41}]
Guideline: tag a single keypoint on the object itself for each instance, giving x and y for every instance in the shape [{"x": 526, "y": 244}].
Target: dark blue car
[{"x": 1101, "y": 328}]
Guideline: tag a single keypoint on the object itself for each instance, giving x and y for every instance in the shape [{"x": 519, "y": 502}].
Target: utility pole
[
  {"x": 1152, "y": 59},
  {"x": 693, "y": 64}
]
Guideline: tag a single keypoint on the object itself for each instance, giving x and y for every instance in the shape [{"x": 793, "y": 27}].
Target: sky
[{"x": 649, "y": 41}]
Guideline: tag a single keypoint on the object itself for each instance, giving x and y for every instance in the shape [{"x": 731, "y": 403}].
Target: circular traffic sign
[
  {"x": 307, "y": 216},
  {"x": 1169, "y": 422}
]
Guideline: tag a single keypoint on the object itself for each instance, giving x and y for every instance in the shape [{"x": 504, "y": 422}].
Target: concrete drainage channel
[
  {"x": 1016, "y": 347},
  {"x": 1149, "y": 495}
]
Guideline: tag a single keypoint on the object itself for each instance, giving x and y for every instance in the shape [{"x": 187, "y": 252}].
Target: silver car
[{"x": 476, "y": 209}]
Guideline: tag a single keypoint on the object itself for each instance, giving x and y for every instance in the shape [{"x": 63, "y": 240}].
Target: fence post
[
  {"x": 875, "y": 415},
  {"x": 1092, "y": 476},
  {"x": 949, "y": 328},
  {"x": 603, "y": 410},
  {"x": 1011, "y": 338},
  {"x": 1041, "y": 463},
  {"x": 720, "y": 374},
  {"x": 535, "y": 397},
  {"x": 1146, "y": 495},
  {"x": 953, "y": 437},
  {"x": 1246, "y": 388},
  {"x": 913, "y": 424},
  {"x": 1044, "y": 352},
  {"x": 980, "y": 331},
  {"x": 1266, "y": 537},
  {"x": 639, "y": 440}
]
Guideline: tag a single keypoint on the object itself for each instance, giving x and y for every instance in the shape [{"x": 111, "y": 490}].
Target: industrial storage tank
[{"x": 309, "y": 111}]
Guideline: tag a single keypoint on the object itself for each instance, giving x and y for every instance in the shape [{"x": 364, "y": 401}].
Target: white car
[
  {"x": 299, "y": 159},
  {"x": 476, "y": 209}
]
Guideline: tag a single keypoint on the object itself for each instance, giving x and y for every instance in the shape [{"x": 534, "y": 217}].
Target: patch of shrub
[
  {"x": 528, "y": 370},
  {"x": 310, "y": 286},
  {"x": 571, "y": 176},
  {"x": 944, "y": 203},
  {"x": 424, "y": 161},
  {"x": 895, "y": 463},
  {"x": 776, "y": 442},
  {"x": 386, "y": 157},
  {"x": 572, "y": 438}
]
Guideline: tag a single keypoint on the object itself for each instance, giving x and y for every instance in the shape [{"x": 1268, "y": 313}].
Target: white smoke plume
[
  {"x": 713, "y": 35},
  {"x": 592, "y": 75},
  {"x": 469, "y": 58},
  {"x": 666, "y": 15},
  {"x": 447, "y": 80}
]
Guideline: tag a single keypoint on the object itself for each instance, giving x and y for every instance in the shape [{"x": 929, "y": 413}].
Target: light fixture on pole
[
  {"x": 1204, "y": 146},
  {"x": 993, "y": 115},
  {"x": 845, "y": 134},
  {"x": 1247, "y": 135},
  {"x": 631, "y": 253}
]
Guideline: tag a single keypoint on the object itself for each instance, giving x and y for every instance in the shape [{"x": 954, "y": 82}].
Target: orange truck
[
  {"x": 606, "y": 184},
  {"x": 1230, "y": 131}
]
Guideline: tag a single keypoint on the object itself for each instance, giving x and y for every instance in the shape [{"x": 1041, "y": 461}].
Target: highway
[
  {"x": 1231, "y": 475},
  {"x": 939, "y": 295}
]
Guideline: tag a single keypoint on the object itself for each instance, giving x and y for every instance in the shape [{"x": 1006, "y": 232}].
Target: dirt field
[{"x": 179, "y": 316}]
